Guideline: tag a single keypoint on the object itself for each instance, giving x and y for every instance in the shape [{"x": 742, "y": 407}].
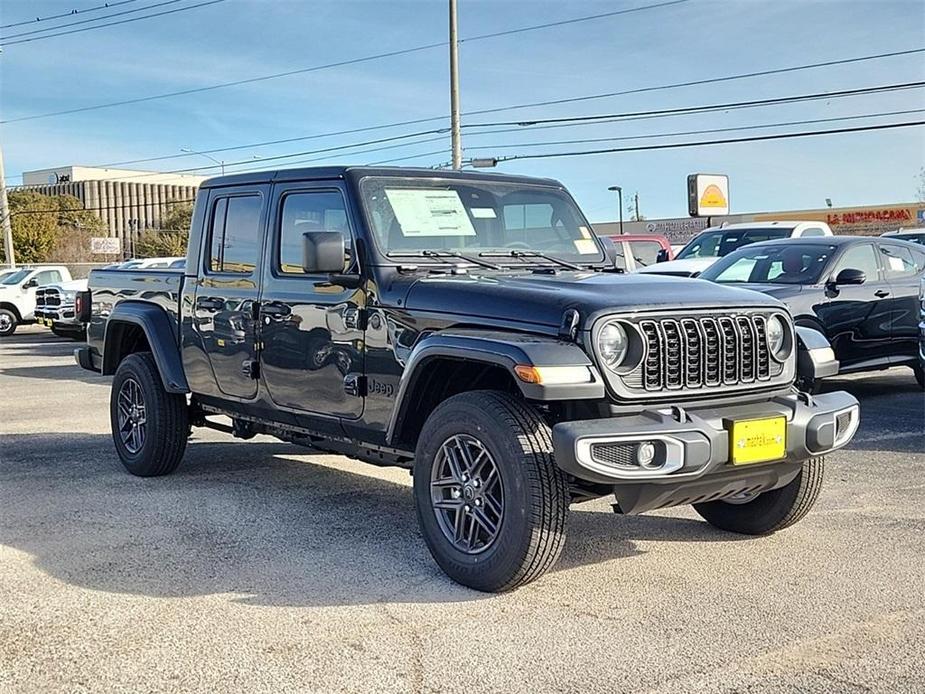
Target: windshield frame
[
  {"x": 831, "y": 252},
  {"x": 401, "y": 257}
]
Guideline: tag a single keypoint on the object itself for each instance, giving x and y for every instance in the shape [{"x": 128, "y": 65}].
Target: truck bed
[{"x": 111, "y": 287}]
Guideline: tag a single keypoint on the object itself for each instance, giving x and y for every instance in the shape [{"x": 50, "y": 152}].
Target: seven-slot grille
[{"x": 704, "y": 351}]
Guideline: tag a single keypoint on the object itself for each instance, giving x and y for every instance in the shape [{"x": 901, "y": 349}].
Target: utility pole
[
  {"x": 5, "y": 218},
  {"x": 636, "y": 199},
  {"x": 454, "y": 90}
]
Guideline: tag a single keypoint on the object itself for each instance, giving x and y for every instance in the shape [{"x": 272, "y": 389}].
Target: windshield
[
  {"x": 16, "y": 277},
  {"x": 722, "y": 242},
  {"x": 473, "y": 217},
  {"x": 783, "y": 264}
]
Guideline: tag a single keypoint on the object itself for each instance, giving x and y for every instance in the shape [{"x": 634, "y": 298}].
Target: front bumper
[
  {"x": 63, "y": 316},
  {"x": 686, "y": 445}
]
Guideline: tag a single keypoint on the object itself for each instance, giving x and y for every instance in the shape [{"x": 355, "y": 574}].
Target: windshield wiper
[
  {"x": 446, "y": 254},
  {"x": 514, "y": 253},
  {"x": 640, "y": 261}
]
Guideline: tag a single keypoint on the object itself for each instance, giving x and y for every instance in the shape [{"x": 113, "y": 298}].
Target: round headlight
[
  {"x": 612, "y": 345},
  {"x": 777, "y": 337}
]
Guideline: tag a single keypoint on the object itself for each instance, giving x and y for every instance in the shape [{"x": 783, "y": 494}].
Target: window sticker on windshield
[
  {"x": 585, "y": 246},
  {"x": 585, "y": 232},
  {"x": 483, "y": 213},
  {"x": 429, "y": 212}
]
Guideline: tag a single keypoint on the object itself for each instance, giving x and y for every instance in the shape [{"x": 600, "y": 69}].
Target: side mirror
[
  {"x": 850, "y": 276},
  {"x": 662, "y": 255},
  {"x": 31, "y": 283},
  {"x": 323, "y": 252}
]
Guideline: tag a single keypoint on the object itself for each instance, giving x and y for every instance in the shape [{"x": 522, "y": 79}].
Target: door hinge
[
  {"x": 355, "y": 385},
  {"x": 355, "y": 318},
  {"x": 250, "y": 368}
]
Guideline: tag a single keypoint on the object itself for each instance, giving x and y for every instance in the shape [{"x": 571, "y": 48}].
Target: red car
[{"x": 640, "y": 250}]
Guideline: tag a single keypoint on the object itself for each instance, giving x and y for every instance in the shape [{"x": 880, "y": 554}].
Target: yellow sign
[
  {"x": 759, "y": 440},
  {"x": 713, "y": 197}
]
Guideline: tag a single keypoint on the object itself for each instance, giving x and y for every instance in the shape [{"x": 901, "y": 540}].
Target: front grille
[
  {"x": 47, "y": 297},
  {"x": 620, "y": 454},
  {"x": 704, "y": 352}
]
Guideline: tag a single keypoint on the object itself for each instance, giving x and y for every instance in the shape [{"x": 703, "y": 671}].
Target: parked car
[
  {"x": 711, "y": 244},
  {"x": 152, "y": 263},
  {"x": 636, "y": 251},
  {"x": 55, "y": 308},
  {"x": 913, "y": 235},
  {"x": 470, "y": 327},
  {"x": 17, "y": 294},
  {"x": 866, "y": 295}
]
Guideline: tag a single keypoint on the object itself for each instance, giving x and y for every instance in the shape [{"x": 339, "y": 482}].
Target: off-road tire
[
  {"x": 11, "y": 325},
  {"x": 166, "y": 414},
  {"x": 772, "y": 510},
  {"x": 532, "y": 530}
]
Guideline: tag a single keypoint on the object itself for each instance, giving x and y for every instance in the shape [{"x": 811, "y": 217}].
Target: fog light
[{"x": 645, "y": 453}]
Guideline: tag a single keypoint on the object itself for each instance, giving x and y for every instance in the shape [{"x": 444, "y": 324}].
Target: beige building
[{"x": 127, "y": 201}]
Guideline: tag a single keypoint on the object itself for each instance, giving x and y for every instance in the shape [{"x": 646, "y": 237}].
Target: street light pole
[
  {"x": 203, "y": 154},
  {"x": 5, "y": 219},
  {"x": 454, "y": 90},
  {"x": 620, "y": 203}
]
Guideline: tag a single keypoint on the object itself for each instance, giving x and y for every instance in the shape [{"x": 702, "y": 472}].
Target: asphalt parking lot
[{"x": 260, "y": 566}]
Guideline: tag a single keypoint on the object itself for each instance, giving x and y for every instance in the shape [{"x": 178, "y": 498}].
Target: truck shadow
[{"x": 250, "y": 521}]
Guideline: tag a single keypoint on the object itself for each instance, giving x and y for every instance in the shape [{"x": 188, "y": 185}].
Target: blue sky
[{"x": 237, "y": 39}]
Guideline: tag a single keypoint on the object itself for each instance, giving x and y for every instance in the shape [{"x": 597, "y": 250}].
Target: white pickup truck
[
  {"x": 17, "y": 294},
  {"x": 55, "y": 308}
]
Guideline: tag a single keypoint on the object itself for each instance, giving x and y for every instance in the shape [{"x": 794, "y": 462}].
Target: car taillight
[{"x": 83, "y": 306}]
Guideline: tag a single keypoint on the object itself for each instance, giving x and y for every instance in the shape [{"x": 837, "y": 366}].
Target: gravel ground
[{"x": 259, "y": 566}]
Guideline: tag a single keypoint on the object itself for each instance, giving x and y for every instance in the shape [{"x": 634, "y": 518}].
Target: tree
[
  {"x": 171, "y": 239},
  {"x": 179, "y": 217},
  {"x": 920, "y": 192}
]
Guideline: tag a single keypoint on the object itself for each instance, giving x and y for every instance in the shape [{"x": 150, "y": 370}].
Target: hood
[
  {"x": 542, "y": 298},
  {"x": 72, "y": 286},
  {"x": 778, "y": 291},
  {"x": 687, "y": 266}
]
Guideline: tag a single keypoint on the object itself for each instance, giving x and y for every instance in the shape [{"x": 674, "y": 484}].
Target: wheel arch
[
  {"x": 447, "y": 363},
  {"x": 136, "y": 326},
  {"x": 13, "y": 308}
]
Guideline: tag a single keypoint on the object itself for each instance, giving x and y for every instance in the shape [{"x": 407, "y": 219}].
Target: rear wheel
[
  {"x": 769, "y": 511},
  {"x": 8, "y": 322},
  {"x": 490, "y": 500},
  {"x": 149, "y": 425}
]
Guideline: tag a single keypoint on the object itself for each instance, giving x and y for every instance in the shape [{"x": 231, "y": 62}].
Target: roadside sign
[
  {"x": 104, "y": 245},
  {"x": 707, "y": 195}
]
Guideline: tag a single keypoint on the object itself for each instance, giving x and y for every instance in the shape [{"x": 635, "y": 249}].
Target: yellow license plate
[{"x": 759, "y": 440}]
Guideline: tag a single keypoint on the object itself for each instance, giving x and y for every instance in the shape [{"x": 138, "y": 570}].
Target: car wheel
[
  {"x": 8, "y": 322},
  {"x": 769, "y": 511},
  {"x": 149, "y": 425},
  {"x": 490, "y": 501}
]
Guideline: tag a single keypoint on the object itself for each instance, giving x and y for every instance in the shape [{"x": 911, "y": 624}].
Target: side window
[
  {"x": 863, "y": 257},
  {"x": 897, "y": 261},
  {"x": 48, "y": 277},
  {"x": 235, "y": 233},
  {"x": 304, "y": 212},
  {"x": 812, "y": 231}
]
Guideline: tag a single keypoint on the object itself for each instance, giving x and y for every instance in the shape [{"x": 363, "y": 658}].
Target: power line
[
  {"x": 87, "y": 21},
  {"x": 68, "y": 14},
  {"x": 419, "y": 121},
  {"x": 705, "y": 143},
  {"x": 109, "y": 24},
  {"x": 712, "y": 107},
  {"x": 343, "y": 63}
]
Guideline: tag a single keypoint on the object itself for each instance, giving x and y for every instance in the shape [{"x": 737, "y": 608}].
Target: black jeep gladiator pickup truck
[{"x": 472, "y": 328}]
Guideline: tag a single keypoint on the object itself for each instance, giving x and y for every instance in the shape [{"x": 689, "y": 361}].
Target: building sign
[
  {"x": 679, "y": 230},
  {"x": 707, "y": 195},
  {"x": 858, "y": 221},
  {"x": 103, "y": 245}
]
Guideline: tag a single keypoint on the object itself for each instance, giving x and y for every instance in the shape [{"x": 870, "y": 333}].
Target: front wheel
[
  {"x": 149, "y": 425},
  {"x": 490, "y": 500},
  {"x": 8, "y": 322},
  {"x": 769, "y": 511}
]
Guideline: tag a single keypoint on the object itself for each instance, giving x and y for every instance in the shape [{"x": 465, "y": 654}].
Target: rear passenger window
[
  {"x": 897, "y": 261},
  {"x": 234, "y": 238},
  {"x": 304, "y": 212}
]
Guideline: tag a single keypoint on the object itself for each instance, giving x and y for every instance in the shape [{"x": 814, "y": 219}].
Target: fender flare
[
  {"x": 815, "y": 357},
  {"x": 498, "y": 348},
  {"x": 159, "y": 331}
]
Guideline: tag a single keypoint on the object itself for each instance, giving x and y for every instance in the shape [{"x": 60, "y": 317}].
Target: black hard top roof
[{"x": 333, "y": 172}]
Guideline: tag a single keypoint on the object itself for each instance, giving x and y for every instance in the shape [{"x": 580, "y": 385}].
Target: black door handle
[
  {"x": 208, "y": 303},
  {"x": 881, "y": 293},
  {"x": 275, "y": 310}
]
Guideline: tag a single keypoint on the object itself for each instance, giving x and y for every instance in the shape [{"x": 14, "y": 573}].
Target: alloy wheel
[
  {"x": 467, "y": 494},
  {"x": 132, "y": 417}
]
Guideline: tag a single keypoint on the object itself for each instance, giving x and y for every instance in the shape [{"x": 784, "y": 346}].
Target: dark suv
[{"x": 472, "y": 328}]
